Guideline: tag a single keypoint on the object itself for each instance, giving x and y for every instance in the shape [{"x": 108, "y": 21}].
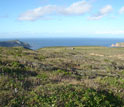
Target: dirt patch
[{"x": 94, "y": 54}]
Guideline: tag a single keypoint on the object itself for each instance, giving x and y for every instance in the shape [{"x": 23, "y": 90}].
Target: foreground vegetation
[{"x": 62, "y": 77}]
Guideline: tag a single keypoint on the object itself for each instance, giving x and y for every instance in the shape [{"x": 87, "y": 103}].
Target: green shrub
[
  {"x": 73, "y": 96},
  {"x": 17, "y": 64},
  {"x": 63, "y": 72}
]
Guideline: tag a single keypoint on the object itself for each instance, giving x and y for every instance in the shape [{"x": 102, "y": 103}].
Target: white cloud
[
  {"x": 76, "y": 8},
  {"x": 121, "y": 11},
  {"x": 107, "y": 9},
  {"x": 114, "y": 32},
  {"x": 37, "y": 13},
  {"x": 96, "y": 17},
  {"x": 103, "y": 12}
]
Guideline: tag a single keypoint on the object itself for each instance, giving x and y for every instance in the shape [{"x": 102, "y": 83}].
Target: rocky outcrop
[
  {"x": 14, "y": 43},
  {"x": 118, "y": 45}
]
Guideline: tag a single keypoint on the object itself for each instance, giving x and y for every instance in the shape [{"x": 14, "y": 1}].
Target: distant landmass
[
  {"x": 23, "y": 43},
  {"x": 37, "y": 43},
  {"x": 14, "y": 43},
  {"x": 118, "y": 44}
]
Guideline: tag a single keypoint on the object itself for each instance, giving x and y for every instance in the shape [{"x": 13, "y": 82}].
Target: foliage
[{"x": 62, "y": 77}]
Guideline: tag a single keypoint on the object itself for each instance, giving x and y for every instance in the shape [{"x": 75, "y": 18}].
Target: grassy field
[{"x": 62, "y": 77}]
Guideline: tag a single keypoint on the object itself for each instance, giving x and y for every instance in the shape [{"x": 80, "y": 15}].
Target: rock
[
  {"x": 15, "y": 90},
  {"x": 14, "y": 43},
  {"x": 118, "y": 45}
]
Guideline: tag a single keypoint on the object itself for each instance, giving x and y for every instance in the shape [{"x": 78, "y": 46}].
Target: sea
[{"x": 37, "y": 43}]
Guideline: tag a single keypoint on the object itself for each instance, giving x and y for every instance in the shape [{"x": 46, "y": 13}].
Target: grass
[{"x": 62, "y": 77}]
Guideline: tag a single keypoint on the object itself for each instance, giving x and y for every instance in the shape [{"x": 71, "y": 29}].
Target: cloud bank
[
  {"x": 116, "y": 32},
  {"x": 77, "y": 8},
  {"x": 121, "y": 11},
  {"x": 102, "y": 12},
  {"x": 37, "y": 13}
]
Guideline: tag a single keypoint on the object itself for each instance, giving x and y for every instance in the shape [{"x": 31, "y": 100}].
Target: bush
[{"x": 72, "y": 96}]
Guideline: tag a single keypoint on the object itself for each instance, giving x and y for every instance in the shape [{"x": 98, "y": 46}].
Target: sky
[{"x": 61, "y": 18}]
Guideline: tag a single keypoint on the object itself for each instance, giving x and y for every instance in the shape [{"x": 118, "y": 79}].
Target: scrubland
[{"x": 62, "y": 77}]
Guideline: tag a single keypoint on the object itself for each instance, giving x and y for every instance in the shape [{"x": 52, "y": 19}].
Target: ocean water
[{"x": 51, "y": 42}]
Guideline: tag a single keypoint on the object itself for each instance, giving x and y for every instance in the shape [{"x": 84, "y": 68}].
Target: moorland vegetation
[{"x": 62, "y": 77}]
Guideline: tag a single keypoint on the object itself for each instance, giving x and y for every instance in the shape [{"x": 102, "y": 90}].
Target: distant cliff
[
  {"x": 14, "y": 43},
  {"x": 118, "y": 45}
]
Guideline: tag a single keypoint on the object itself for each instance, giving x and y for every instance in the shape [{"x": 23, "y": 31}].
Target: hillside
[
  {"x": 62, "y": 77},
  {"x": 14, "y": 43}
]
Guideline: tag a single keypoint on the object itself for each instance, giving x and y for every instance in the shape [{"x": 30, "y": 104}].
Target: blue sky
[{"x": 61, "y": 18}]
